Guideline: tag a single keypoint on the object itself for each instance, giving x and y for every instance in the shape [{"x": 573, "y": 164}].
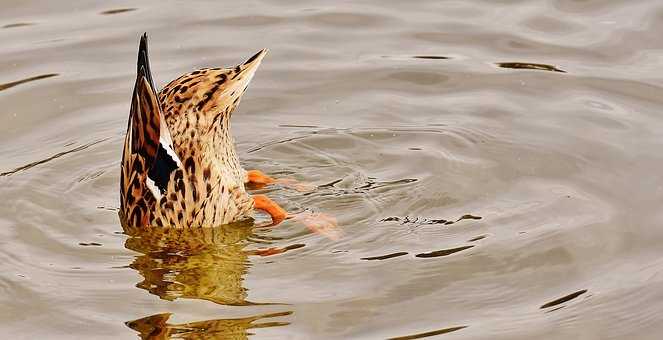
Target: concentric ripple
[{"x": 493, "y": 167}]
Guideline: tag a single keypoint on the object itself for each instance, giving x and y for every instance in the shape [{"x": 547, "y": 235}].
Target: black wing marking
[{"x": 164, "y": 165}]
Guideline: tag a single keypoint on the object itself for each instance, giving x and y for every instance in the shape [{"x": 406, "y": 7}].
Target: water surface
[{"x": 494, "y": 167}]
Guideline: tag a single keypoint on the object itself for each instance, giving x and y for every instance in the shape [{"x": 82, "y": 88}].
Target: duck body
[{"x": 179, "y": 165}]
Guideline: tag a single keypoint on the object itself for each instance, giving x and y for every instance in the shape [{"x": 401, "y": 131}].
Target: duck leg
[
  {"x": 265, "y": 204},
  {"x": 260, "y": 179}
]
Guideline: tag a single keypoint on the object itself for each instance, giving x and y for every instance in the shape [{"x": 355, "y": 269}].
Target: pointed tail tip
[
  {"x": 143, "y": 42},
  {"x": 256, "y": 58},
  {"x": 143, "y": 63}
]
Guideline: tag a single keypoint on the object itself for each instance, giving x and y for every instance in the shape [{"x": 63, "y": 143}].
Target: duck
[{"x": 180, "y": 168}]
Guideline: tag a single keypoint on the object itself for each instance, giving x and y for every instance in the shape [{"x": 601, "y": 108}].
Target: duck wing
[{"x": 148, "y": 159}]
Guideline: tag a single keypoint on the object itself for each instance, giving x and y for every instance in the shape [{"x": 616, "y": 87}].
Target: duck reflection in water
[
  {"x": 196, "y": 263},
  {"x": 155, "y": 327}
]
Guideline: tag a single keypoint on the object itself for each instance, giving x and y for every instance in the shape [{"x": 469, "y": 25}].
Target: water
[{"x": 494, "y": 167}]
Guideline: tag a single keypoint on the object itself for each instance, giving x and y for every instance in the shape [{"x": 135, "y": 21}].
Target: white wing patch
[
  {"x": 153, "y": 188},
  {"x": 167, "y": 142}
]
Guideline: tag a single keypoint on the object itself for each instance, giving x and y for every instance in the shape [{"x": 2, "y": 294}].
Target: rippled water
[{"x": 494, "y": 166}]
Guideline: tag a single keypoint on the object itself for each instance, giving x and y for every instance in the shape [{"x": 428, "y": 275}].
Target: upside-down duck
[{"x": 179, "y": 166}]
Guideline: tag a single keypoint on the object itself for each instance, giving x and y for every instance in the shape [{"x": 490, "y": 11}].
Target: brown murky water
[{"x": 494, "y": 165}]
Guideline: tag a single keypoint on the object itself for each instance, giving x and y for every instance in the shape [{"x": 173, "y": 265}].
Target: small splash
[
  {"x": 531, "y": 66},
  {"x": 90, "y": 244},
  {"x": 563, "y": 299},
  {"x": 443, "y": 252},
  {"x": 385, "y": 257},
  {"x": 117, "y": 11},
  {"x": 427, "y": 334},
  {"x": 425, "y": 221},
  {"x": 22, "y": 81},
  {"x": 18, "y": 24},
  {"x": 370, "y": 184}
]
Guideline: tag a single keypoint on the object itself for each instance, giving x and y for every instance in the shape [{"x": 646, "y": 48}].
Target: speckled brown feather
[
  {"x": 140, "y": 147},
  {"x": 207, "y": 187}
]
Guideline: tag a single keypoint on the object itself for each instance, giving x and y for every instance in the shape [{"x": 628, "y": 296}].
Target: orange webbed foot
[
  {"x": 295, "y": 184},
  {"x": 260, "y": 179},
  {"x": 319, "y": 223}
]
